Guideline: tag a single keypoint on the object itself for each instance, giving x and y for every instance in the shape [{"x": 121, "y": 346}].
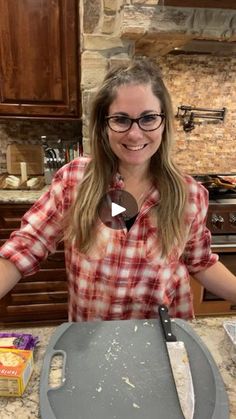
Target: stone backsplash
[
  {"x": 206, "y": 82},
  {"x": 112, "y": 31}
]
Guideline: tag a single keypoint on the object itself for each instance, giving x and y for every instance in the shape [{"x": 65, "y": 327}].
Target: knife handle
[{"x": 166, "y": 324}]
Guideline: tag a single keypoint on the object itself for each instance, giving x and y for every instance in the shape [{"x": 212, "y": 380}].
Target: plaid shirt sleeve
[
  {"x": 40, "y": 231},
  {"x": 197, "y": 255}
]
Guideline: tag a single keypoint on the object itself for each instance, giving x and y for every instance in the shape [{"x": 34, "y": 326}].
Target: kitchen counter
[
  {"x": 209, "y": 329},
  {"x": 21, "y": 196},
  {"x": 30, "y": 196}
]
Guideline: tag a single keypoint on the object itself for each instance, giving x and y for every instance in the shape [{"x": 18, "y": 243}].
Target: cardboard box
[{"x": 16, "y": 367}]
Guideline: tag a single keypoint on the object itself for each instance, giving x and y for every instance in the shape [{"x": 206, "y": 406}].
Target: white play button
[{"x": 116, "y": 209}]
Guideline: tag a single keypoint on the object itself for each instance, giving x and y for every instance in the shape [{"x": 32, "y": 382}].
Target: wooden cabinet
[
  {"x": 205, "y": 303},
  {"x": 36, "y": 299},
  {"x": 39, "y": 56}
]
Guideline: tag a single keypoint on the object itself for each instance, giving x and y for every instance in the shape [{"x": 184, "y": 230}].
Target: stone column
[{"x": 101, "y": 46}]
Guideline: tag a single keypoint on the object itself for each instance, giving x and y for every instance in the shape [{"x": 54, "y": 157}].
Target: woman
[{"x": 128, "y": 272}]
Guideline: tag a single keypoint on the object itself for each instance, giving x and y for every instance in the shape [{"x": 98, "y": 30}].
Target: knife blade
[{"x": 180, "y": 365}]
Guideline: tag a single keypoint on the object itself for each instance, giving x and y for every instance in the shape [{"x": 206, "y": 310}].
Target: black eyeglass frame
[{"x": 132, "y": 120}]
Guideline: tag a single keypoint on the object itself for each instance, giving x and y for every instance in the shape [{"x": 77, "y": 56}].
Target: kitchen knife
[{"x": 180, "y": 366}]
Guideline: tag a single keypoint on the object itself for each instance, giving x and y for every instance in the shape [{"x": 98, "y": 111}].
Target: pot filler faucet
[{"x": 188, "y": 115}]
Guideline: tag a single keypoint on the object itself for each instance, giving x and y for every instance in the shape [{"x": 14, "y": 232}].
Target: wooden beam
[{"x": 212, "y": 4}]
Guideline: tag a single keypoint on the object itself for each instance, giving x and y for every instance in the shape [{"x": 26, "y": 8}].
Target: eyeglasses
[{"x": 149, "y": 122}]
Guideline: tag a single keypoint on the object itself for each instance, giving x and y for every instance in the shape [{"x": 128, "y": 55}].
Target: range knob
[
  {"x": 232, "y": 219},
  {"x": 217, "y": 221}
]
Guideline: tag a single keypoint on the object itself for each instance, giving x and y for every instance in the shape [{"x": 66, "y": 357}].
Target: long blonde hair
[{"x": 82, "y": 217}]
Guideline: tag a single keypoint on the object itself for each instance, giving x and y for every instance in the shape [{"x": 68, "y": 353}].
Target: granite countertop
[
  {"x": 21, "y": 196},
  {"x": 30, "y": 196},
  {"x": 209, "y": 329}
]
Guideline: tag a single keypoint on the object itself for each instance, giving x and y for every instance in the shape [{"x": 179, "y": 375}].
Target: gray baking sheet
[{"x": 121, "y": 370}]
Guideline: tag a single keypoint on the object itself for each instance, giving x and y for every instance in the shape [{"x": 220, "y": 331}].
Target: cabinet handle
[
  {"x": 217, "y": 221},
  {"x": 224, "y": 246}
]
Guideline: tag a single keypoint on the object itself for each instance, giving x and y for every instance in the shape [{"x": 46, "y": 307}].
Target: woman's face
[{"x": 135, "y": 147}]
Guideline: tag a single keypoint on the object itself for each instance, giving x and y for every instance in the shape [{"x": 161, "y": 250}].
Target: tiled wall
[{"x": 207, "y": 82}]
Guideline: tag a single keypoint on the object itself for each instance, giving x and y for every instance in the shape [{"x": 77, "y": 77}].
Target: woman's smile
[{"x": 134, "y": 147}]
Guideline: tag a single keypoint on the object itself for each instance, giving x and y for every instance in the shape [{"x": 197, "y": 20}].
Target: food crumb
[{"x": 127, "y": 381}]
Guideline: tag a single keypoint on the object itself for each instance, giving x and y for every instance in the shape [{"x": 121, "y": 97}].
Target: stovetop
[{"x": 217, "y": 193}]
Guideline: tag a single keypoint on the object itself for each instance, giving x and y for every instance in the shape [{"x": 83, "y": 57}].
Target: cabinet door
[
  {"x": 39, "y": 58},
  {"x": 36, "y": 299},
  {"x": 206, "y": 303}
]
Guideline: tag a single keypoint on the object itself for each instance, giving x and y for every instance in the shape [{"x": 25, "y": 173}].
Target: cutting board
[
  {"x": 32, "y": 154},
  {"x": 121, "y": 370}
]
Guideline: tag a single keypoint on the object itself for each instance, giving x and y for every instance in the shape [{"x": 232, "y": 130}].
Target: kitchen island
[{"x": 210, "y": 329}]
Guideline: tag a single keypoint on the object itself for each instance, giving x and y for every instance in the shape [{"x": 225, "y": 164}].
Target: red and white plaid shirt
[{"x": 123, "y": 276}]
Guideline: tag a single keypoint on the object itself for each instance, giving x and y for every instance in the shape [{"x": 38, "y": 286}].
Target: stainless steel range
[{"x": 221, "y": 221}]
